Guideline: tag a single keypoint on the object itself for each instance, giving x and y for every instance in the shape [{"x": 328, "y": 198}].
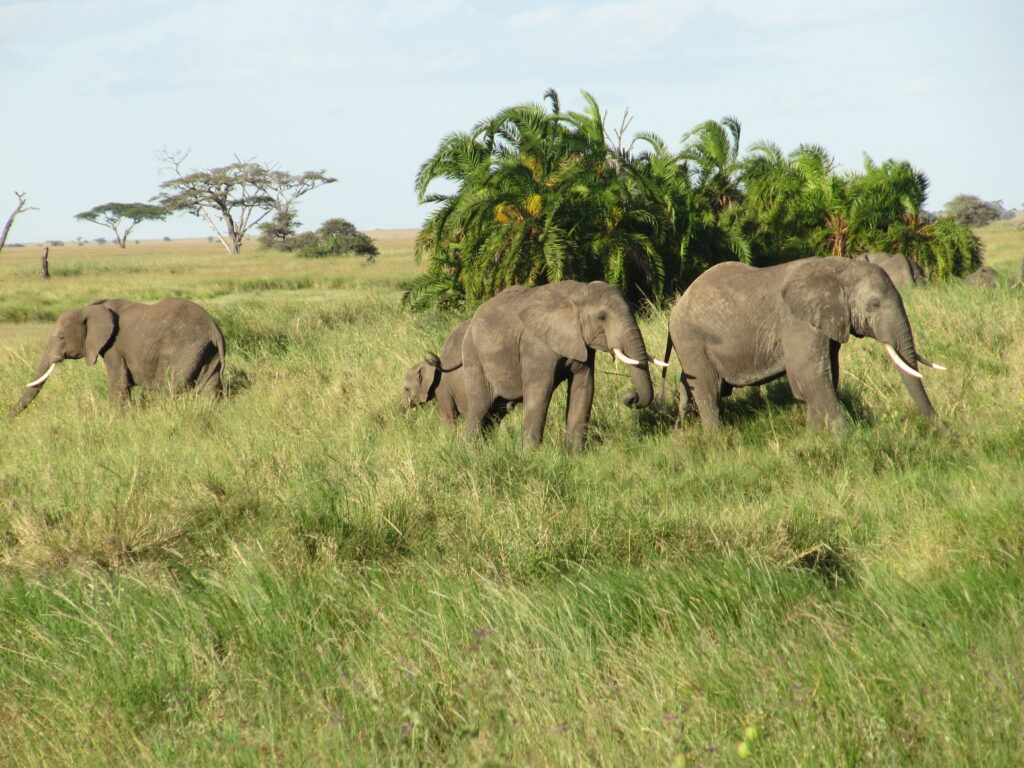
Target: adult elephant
[
  {"x": 984, "y": 276},
  {"x": 739, "y": 326},
  {"x": 172, "y": 344},
  {"x": 902, "y": 270},
  {"x": 524, "y": 342}
]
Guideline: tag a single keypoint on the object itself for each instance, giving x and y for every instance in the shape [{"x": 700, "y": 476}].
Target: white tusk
[
  {"x": 899, "y": 362},
  {"x": 622, "y": 358},
  {"x": 656, "y": 361},
  {"x": 930, "y": 364},
  {"x": 44, "y": 377}
]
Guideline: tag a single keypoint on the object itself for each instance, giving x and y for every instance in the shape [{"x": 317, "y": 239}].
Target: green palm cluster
[{"x": 542, "y": 195}]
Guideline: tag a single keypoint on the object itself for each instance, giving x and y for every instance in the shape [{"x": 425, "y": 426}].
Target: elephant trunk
[
  {"x": 42, "y": 373},
  {"x": 632, "y": 345},
  {"x": 905, "y": 349}
]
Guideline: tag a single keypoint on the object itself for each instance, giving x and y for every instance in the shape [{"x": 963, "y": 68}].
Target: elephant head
[
  {"x": 572, "y": 318},
  {"x": 85, "y": 332},
  {"x": 841, "y": 297},
  {"x": 420, "y": 383}
]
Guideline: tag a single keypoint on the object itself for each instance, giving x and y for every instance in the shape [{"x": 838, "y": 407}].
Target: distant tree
[
  {"x": 167, "y": 239},
  {"x": 234, "y": 198},
  {"x": 10, "y": 219},
  {"x": 335, "y": 237},
  {"x": 973, "y": 211},
  {"x": 121, "y": 218},
  {"x": 100, "y": 241},
  {"x": 277, "y": 231}
]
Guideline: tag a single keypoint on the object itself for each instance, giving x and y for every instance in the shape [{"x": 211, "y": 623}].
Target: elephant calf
[
  {"x": 739, "y": 326},
  {"x": 171, "y": 344},
  {"x": 440, "y": 378}
]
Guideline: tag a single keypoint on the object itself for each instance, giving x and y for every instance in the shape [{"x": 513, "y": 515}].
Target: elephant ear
[
  {"x": 553, "y": 317},
  {"x": 99, "y": 330},
  {"x": 814, "y": 293},
  {"x": 428, "y": 376}
]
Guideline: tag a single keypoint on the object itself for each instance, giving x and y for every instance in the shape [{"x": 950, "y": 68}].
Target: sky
[{"x": 93, "y": 90}]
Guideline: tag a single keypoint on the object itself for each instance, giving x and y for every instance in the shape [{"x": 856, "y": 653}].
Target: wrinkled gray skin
[
  {"x": 902, "y": 270},
  {"x": 983, "y": 276},
  {"x": 524, "y": 342},
  {"x": 739, "y": 326},
  {"x": 440, "y": 378},
  {"x": 173, "y": 344}
]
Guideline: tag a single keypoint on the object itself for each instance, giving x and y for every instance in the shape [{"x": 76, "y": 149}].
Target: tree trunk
[
  {"x": 44, "y": 265},
  {"x": 10, "y": 219}
]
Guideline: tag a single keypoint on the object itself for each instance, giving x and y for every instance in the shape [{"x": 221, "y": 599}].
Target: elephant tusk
[
  {"x": 900, "y": 364},
  {"x": 42, "y": 378},
  {"x": 657, "y": 362},
  {"x": 930, "y": 364},
  {"x": 622, "y": 358}
]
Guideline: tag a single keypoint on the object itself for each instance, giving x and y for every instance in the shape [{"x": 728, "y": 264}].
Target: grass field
[{"x": 298, "y": 575}]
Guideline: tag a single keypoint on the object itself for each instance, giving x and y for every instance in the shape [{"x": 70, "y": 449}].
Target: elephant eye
[
  {"x": 602, "y": 316},
  {"x": 874, "y": 304}
]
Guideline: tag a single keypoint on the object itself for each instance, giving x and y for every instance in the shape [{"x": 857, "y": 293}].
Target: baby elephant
[
  {"x": 172, "y": 344},
  {"x": 440, "y": 378}
]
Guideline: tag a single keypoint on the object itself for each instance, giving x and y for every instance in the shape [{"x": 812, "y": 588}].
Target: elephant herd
[{"x": 735, "y": 326}]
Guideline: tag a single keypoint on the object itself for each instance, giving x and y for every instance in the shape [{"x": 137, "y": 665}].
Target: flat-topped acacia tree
[
  {"x": 234, "y": 198},
  {"x": 121, "y": 218}
]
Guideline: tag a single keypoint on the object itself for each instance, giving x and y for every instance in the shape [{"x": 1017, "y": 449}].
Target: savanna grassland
[{"x": 299, "y": 575}]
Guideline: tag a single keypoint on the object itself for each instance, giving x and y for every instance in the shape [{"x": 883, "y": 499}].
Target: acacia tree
[
  {"x": 234, "y": 198},
  {"x": 121, "y": 218}
]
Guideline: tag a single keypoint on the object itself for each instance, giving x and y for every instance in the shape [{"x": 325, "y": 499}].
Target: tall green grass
[{"x": 300, "y": 575}]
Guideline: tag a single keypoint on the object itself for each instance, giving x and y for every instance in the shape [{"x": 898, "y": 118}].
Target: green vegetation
[
  {"x": 544, "y": 195},
  {"x": 973, "y": 211},
  {"x": 335, "y": 237},
  {"x": 298, "y": 575}
]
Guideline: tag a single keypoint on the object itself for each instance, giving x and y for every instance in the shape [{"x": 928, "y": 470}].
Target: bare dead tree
[
  {"x": 10, "y": 219},
  {"x": 44, "y": 265}
]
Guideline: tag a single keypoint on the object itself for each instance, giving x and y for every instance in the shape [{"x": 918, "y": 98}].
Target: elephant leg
[
  {"x": 704, "y": 385},
  {"x": 686, "y": 405},
  {"x": 119, "y": 378},
  {"x": 579, "y": 399},
  {"x": 536, "y": 399},
  {"x": 809, "y": 368}
]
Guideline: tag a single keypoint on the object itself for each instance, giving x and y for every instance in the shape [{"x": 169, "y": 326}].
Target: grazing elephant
[
  {"x": 524, "y": 342},
  {"x": 739, "y": 326},
  {"x": 984, "y": 276},
  {"x": 171, "y": 344},
  {"x": 441, "y": 378},
  {"x": 902, "y": 270},
  {"x": 438, "y": 378}
]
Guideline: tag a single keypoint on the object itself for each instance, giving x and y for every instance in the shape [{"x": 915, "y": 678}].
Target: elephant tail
[{"x": 664, "y": 359}]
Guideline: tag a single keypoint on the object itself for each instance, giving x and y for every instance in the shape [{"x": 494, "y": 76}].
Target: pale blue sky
[{"x": 91, "y": 89}]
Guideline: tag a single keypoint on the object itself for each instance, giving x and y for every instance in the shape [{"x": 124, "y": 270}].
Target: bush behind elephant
[
  {"x": 172, "y": 344},
  {"x": 739, "y": 326}
]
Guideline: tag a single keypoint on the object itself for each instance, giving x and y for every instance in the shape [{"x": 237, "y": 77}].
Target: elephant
[
  {"x": 902, "y": 270},
  {"x": 740, "y": 326},
  {"x": 172, "y": 344},
  {"x": 984, "y": 276},
  {"x": 440, "y": 378},
  {"x": 525, "y": 341}
]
